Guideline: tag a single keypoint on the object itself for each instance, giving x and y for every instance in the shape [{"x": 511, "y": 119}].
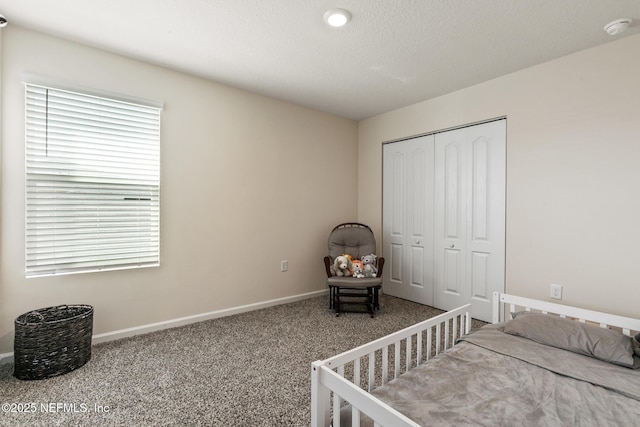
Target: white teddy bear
[{"x": 341, "y": 266}]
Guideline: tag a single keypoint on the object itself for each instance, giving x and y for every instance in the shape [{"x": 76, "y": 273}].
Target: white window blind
[{"x": 92, "y": 183}]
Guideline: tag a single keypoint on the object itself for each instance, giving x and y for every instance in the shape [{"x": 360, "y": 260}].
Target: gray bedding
[{"x": 495, "y": 379}]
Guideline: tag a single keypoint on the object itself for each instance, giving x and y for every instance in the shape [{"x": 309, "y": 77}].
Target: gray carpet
[{"x": 251, "y": 369}]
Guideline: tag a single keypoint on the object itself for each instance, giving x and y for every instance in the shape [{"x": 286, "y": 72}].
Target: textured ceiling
[{"x": 393, "y": 53}]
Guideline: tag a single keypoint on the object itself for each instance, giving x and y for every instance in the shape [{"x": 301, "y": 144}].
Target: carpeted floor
[{"x": 251, "y": 369}]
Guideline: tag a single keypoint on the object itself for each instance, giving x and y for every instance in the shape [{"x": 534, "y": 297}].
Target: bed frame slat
[
  {"x": 372, "y": 370},
  {"x": 355, "y": 417},
  {"x": 407, "y": 354},
  {"x": 396, "y": 359},
  {"x": 385, "y": 364}
]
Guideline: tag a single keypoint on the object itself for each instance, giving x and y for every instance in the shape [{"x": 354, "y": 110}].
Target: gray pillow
[{"x": 600, "y": 343}]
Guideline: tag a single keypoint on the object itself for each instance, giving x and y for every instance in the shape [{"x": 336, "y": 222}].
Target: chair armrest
[
  {"x": 327, "y": 265},
  {"x": 380, "y": 266}
]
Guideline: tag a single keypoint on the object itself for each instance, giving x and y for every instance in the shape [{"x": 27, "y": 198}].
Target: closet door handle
[{"x": 452, "y": 245}]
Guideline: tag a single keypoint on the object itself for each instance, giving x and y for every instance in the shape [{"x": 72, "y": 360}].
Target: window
[{"x": 92, "y": 183}]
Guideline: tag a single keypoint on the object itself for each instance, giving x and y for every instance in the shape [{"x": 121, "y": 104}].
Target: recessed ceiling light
[
  {"x": 617, "y": 26},
  {"x": 337, "y": 17}
]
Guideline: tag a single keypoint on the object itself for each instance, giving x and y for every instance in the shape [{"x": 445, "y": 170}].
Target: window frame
[{"x": 92, "y": 167}]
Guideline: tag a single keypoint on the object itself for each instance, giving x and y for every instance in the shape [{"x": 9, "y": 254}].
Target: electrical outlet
[
  {"x": 556, "y": 291},
  {"x": 284, "y": 265}
]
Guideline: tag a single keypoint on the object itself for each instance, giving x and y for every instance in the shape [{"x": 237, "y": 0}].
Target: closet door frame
[{"x": 469, "y": 239}]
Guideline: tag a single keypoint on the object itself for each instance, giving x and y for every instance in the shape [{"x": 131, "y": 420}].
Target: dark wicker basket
[{"x": 52, "y": 341}]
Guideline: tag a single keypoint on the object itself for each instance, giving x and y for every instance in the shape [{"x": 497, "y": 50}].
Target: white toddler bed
[{"x": 541, "y": 364}]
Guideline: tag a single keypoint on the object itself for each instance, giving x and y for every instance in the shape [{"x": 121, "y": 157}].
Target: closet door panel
[
  {"x": 450, "y": 215},
  {"x": 398, "y": 196},
  {"x": 417, "y": 204},
  {"x": 470, "y": 216},
  {"x": 479, "y": 267},
  {"x": 395, "y": 264},
  {"x": 417, "y": 267},
  {"x": 451, "y": 272},
  {"x": 453, "y": 177},
  {"x": 407, "y": 218},
  {"x": 479, "y": 193},
  {"x": 487, "y": 216},
  {"x": 394, "y": 213}
]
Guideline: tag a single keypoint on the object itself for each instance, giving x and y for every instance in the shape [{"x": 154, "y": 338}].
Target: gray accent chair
[{"x": 356, "y": 240}]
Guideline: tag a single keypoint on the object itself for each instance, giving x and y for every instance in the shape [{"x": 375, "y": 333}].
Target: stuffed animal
[
  {"x": 357, "y": 270},
  {"x": 341, "y": 266},
  {"x": 369, "y": 265}
]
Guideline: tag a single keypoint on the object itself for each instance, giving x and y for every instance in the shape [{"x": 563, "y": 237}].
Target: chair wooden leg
[{"x": 370, "y": 301}]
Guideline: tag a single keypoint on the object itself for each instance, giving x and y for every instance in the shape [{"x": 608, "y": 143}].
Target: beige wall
[
  {"x": 246, "y": 181},
  {"x": 573, "y": 170}
]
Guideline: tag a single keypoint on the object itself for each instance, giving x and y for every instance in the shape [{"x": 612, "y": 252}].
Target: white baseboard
[
  {"x": 6, "y": 358},
  {"x": 152, "y": 327}
]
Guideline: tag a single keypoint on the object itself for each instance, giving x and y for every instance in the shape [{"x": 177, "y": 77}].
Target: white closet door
[
  {"x": 469, "y": 229},
  {"x": 408, "y": 219}
]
